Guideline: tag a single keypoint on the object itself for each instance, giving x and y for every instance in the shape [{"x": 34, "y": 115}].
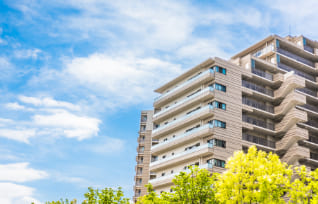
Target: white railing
[
  {"x": 185, "y": 83},
  {"x": 206, "y": 126},
  {"x": 182, "y": 118},
  {"x": 194, "y": 149},
  {"x": 204, "y": 166},
  {"x": 184, "y": 100},
  {"x": 265, "y": 50}
]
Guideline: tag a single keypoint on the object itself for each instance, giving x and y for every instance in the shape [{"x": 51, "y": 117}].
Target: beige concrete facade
[
  {"x": 143, "y": 154},
  {"x": 265, "y": 95}
]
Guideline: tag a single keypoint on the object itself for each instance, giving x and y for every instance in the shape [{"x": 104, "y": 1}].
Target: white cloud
[
  {"x": 11, "y": 193},
  {"x": 48, "y": 102},
  {"x": 72, "y": 126},
  {"x": 27, "y": 53},
  {"x": 21, "y": 135},
  {"x": 298, "y": 15},
  {"x": 122, "y": 80},
  {"x": 14, "y": 106},
  {"x": 6, "y": 68},
  {"x": 20, "y": 172},
  {"x": 107, "y": 145}
]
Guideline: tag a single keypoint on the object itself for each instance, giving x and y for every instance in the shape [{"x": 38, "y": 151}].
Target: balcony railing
[
  {"x": 313, "y": 139},
  {"x": 185, "y": 83},
  {"x": 183, "y": 117},
  {"x": 264, "y": 51},
  {"x": 296, "y": 57},
  {"x": 308, "y": 91},
  {"x": 184, "y": 100},
  {"x": 299, "y": 73},
  {"x": 309, "y": 49},
  {"x": 312, "y": 123},
  {"x": 311, "y": 107},
  {"x": 192, "y": 150},
  {"x": 258, "y": 105},
  {"x": 206, "y": 126},
  {"x": 205, "y": 166},
  {"x": 263, "y": 74},
  {"x": 258, "y": 88},
  {"x": 258, "y": 140},
  {"x": 258, "y": 122},
  {"x": 313, "y": 156}
]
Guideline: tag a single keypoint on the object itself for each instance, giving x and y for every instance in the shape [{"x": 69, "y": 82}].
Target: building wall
[{"x": 271, "y": 102}]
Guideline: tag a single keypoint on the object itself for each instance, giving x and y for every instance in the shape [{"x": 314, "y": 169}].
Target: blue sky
[{"x": 75, "y": 74}]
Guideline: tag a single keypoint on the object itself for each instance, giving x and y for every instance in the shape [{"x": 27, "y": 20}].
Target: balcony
[
  {"x": 202, "y": 150},
  {"x": 258, "y": 122},
  {"x": 309, "y": 49},
  {"x": 258, "y": 140},
  {"x": 264, "y": 51},
  {"x": 179, "y": 103},
  {"x": 257, "y": 88},
  {"x": 185, "y": 137},
  {"x": 313, "y": 156},
  {"x": 313, "y": 139},
  {"x": 183, "y": 121},
  {"x": 299, "y": 73},
  {"x": 308, "y": 91},
  {"x": 258, "y": 105},
  {"x": 209, "y": 71},
  {"x": 263, "y": 74},
  {"x": 168, "y": 178},
  {"x": 296, "y": 57}
]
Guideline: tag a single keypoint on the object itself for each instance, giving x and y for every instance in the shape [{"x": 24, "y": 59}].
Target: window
[
  {"x": 141, "y": 149},
  {"x": 218, "y": 123},
  {"x": 217, "y": 142},
  {"x": 217, "y": 104},
  {"x": 220, "y": 87},
  {"x": 172, "y": 153},
  {"x": 216, "y": 162},
  {"x": 164, "y": 156},
  {"x": 163, "y": 174},
  {"x": 220, "y": 70},
  {"x": 143, "y": 118},
  {"x": 171, "y": 171}
]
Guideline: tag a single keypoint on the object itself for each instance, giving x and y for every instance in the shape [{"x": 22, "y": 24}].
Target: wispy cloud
[
  {"x": 27, "y": 53},
  {"x": 21, "y": 134},
  {"x": 13, "y": 173}
]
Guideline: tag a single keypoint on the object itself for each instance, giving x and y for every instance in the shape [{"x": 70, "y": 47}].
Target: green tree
[
  {"x": 62, "y": 202},
  {"x": 304, "y": 189},
  {"x": 96, "y": 196},
  {"x": 194, "y": 187},
  {"x": 152, "y": 197},
  {"x": 255, "y": 177}
]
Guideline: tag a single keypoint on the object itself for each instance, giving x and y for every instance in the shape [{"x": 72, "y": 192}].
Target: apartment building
[
  {"x": 265, "y": 95},
  {"x": 143, "y": 154}
]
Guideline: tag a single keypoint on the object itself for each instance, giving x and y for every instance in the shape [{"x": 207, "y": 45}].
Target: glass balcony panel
[
  {"x": 184, "y": 100},
  {"x": 182, "y": 118},
  {"x": 258, "y": 88},
  {"x": 263, "y": 74},
  {"x": 258, "y": 122},
  {"x": 258, "y": 140},
  {"x": 308, "y": 91},
  {"x": 258, "y": 105},
  {"x": 206, "y": 126},
  {"x": 297, "y": 72},
  {"x": 193, "y": 149},
  {"x": 296, "y": 57},
  {"x": 185, "y": 83}
]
